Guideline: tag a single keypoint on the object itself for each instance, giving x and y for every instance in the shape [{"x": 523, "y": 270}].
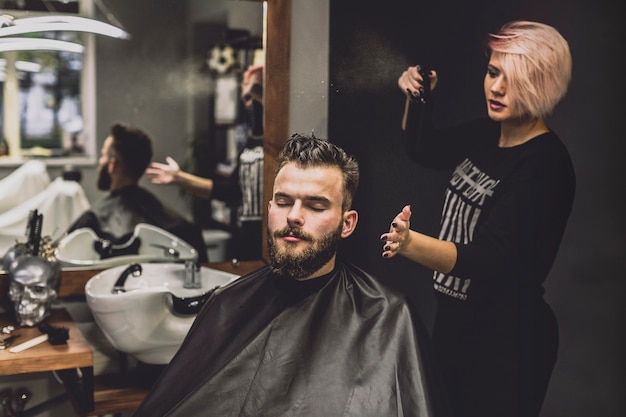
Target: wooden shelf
[
  {"x": 46, "y": 357},
  {"x": 117, "y": 394},
  {"x": 72, "y": 361}
]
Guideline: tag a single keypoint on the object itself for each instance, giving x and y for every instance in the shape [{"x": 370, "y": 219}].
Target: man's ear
[
  {"x": 113, "y": 165},
  {"x": 350, "y": 219}
]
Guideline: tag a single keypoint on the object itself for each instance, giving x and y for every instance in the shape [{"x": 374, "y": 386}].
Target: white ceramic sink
[
  {"x": 151, "y": 318},
  {"x": 82, "y": 248}
]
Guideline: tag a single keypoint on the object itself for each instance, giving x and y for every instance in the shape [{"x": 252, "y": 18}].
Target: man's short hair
[
  {"x": 133, "y": 147},
  {"x": 306, "y": 151}
]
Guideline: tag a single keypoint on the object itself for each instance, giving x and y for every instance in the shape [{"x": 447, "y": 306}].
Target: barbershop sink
[
  {"x": 148, "y": 243},
  {"x": 150, "y": 316}
]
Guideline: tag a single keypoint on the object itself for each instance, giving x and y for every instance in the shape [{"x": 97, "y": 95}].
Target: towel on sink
[{"x": 61, "y": 203}]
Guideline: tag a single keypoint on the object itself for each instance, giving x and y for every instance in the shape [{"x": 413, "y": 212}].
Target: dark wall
[
  {"x": 146, "y": 81},
  {"x": 140, "y": 79},
  {"x": 370, "y": 45}
]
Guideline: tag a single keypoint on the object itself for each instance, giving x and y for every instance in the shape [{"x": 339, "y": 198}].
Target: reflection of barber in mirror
[
  {"x": 126, "y": 153},
  {"x": 244, "y": 187},
  {"x": 34, "y": 286}
]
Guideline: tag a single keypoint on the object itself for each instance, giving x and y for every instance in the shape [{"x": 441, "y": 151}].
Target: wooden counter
[
  {"x": 73, "y": 361},
  {"x": 76, "y": 353}
]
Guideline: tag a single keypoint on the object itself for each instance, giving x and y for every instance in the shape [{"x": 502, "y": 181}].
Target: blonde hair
[{"x": 537, "y": 63}]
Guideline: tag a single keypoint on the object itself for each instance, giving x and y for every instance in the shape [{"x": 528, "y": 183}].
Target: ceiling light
[{"x": 47, "y": 23}]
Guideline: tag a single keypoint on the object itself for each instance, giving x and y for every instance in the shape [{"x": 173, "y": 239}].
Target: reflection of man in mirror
[
  {"x": 33, "y": 288},
  {"x": 125, "y": 154}
]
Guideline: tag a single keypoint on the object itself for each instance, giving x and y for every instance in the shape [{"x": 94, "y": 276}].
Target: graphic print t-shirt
[{"x": 467, "y": 192}]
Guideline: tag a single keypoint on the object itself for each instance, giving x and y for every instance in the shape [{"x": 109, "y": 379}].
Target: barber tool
[
  {"x": 8, "y": 341},
  {"x": 54, "y": 335},
  {"x": 33, "y": 231},
  {"x": 424, "y": 95}
]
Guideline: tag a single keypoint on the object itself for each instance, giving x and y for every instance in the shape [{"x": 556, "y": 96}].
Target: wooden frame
[{"x": 276, "y": 94}]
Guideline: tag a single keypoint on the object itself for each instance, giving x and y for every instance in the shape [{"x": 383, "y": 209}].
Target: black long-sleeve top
[{"x": 505, "y": 208}]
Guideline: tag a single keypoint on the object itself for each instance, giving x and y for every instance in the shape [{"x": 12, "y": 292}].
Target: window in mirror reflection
[
  {"x": 48, "y": 99},
  {"x": 58, "y": 6}
]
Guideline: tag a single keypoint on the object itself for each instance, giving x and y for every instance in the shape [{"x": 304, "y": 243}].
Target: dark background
[{"x": 371, "y": 44}]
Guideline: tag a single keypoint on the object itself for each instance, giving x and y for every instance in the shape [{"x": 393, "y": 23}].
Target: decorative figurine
[{"x": 34, "y": 286}]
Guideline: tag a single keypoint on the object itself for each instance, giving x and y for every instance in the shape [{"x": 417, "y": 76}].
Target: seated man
[
  {"x": 307, "y": 335},
  {"x": 126, "y": 153}
]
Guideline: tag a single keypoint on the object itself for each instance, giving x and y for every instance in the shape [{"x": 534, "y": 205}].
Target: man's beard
[
  {"x": 104, "y": 179},
  {"x": 285, "y": 262}
]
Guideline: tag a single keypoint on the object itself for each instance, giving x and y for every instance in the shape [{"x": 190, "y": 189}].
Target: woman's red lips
[{"x": 496, "y": 105}]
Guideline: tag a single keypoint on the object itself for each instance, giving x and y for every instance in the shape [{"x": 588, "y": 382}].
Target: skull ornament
[
  {"x": 33, "y": 288},
  {"x": 14, "y": 252}
]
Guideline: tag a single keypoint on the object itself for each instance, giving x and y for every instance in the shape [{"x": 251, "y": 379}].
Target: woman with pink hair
[{"x": 505, "y": 211}]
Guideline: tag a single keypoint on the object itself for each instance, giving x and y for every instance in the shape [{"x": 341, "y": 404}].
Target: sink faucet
[
  {"x": 193, "y": 277},
  {"x": 134, "y": 270}
]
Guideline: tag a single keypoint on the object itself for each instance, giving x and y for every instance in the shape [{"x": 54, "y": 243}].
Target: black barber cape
[{"x": 339, "y": 345}]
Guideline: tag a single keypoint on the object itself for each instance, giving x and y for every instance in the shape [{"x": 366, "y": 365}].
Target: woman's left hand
[
  {"x": 399, "y": 234},
  {"x": 163, "y": 173}
]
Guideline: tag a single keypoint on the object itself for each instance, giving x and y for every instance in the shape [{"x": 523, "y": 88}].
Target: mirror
[
  {"x": 275, "y": 96},
  {"x": 140, "y": 82}
]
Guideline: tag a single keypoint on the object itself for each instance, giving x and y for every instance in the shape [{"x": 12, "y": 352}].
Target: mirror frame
[{"x": 276, "y": 94}]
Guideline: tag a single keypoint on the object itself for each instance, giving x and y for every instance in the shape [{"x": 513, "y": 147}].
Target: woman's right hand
[
  {"x": 252, "y": 85},
  {"x": 163, "y": 173},
  {"x": 399, "y": 235},
  {"x": 411, "y": 82}
]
